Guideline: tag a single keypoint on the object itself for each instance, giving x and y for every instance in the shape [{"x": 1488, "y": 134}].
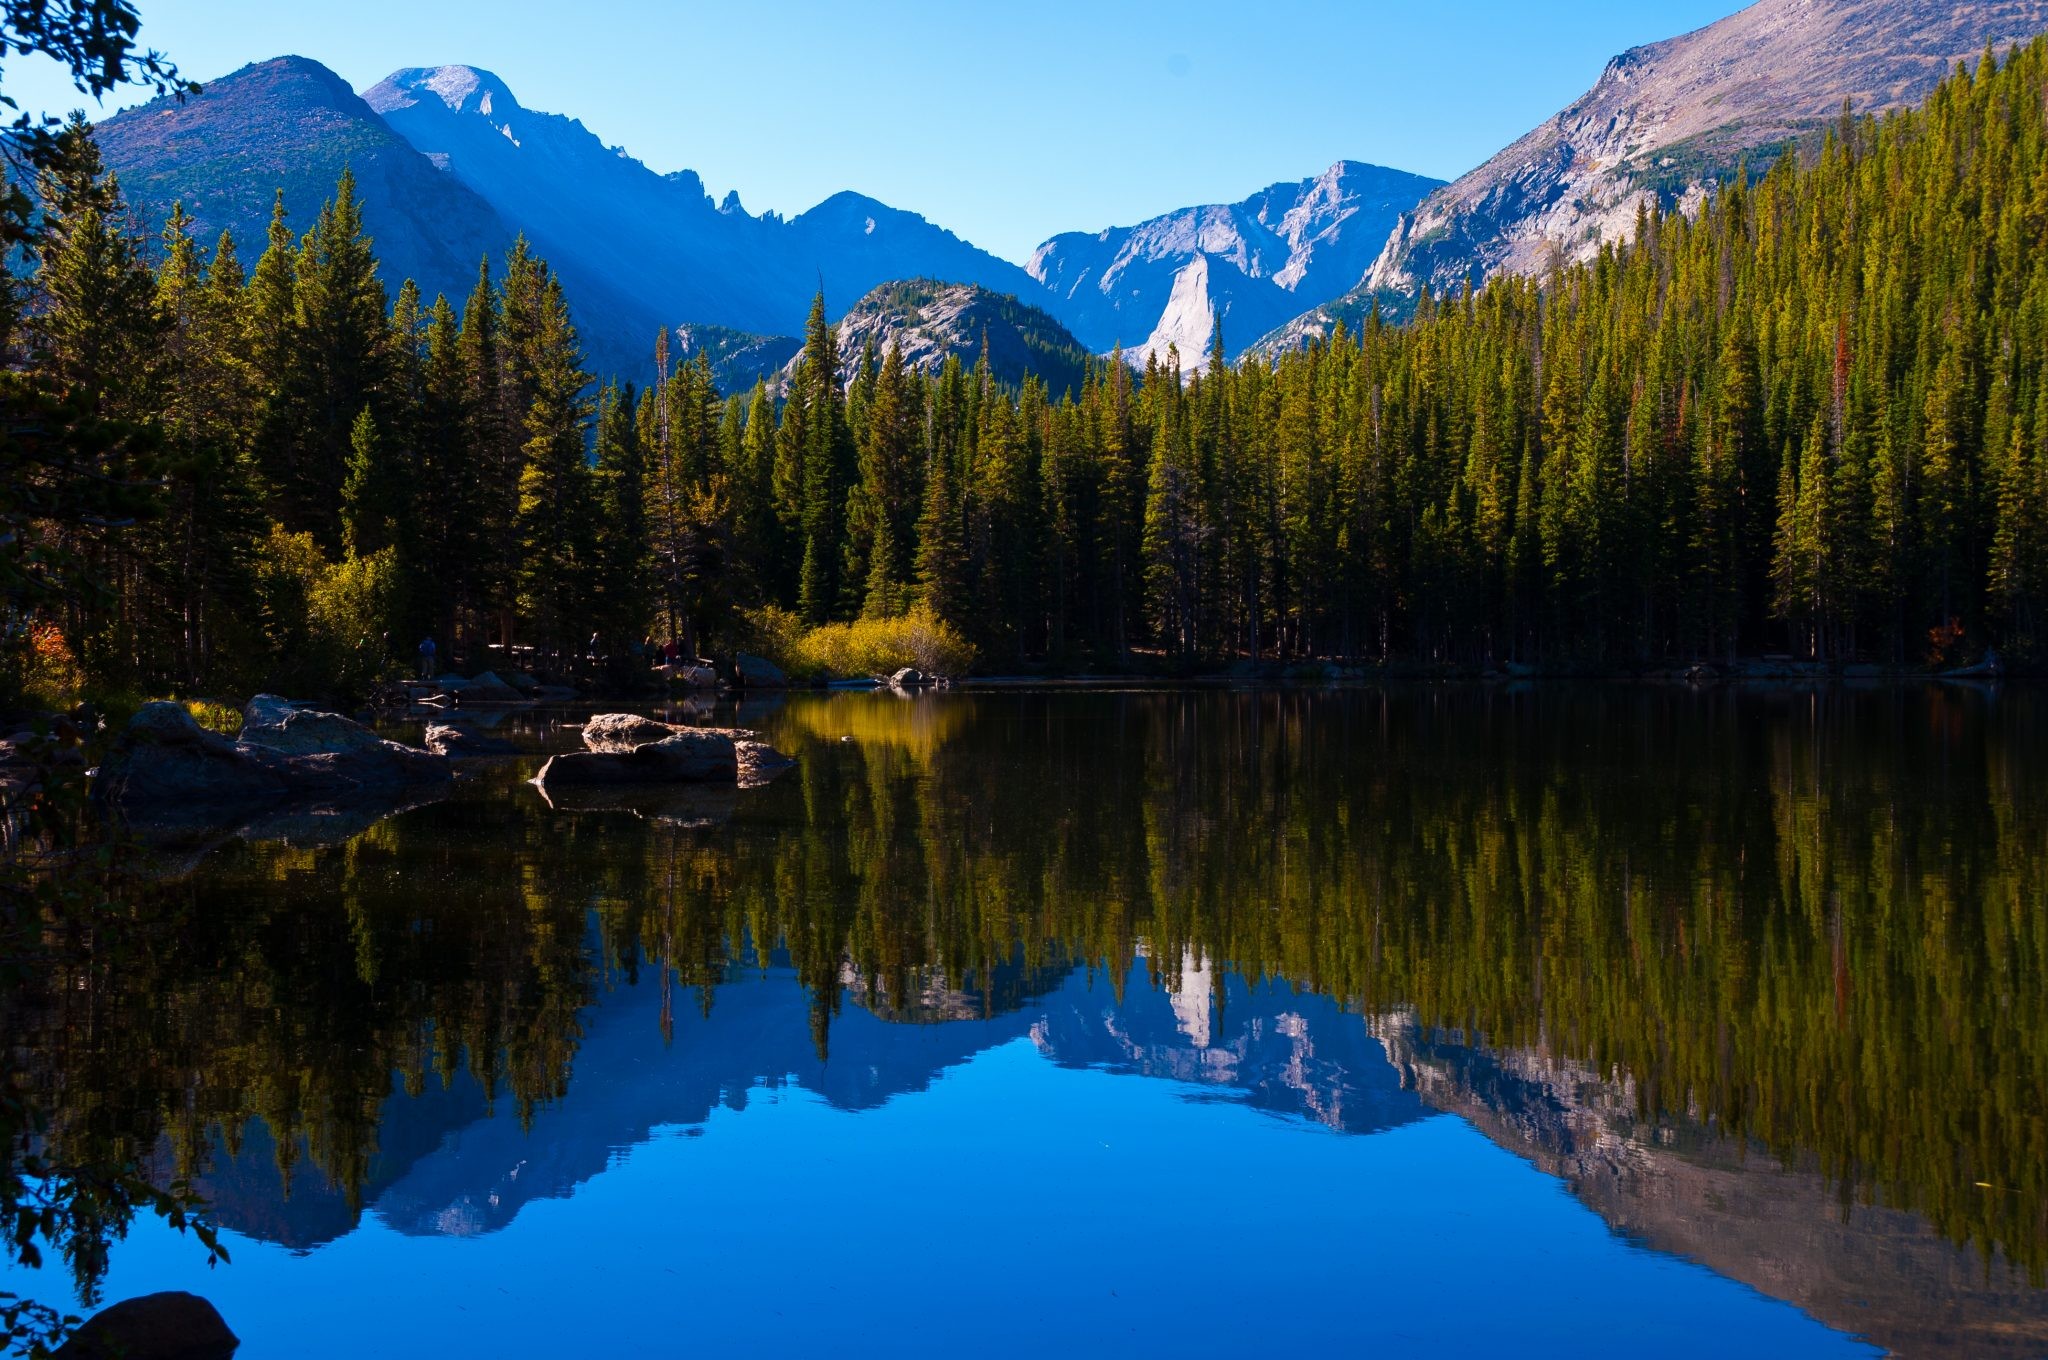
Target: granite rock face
[{"x": 1255, "y": 263}]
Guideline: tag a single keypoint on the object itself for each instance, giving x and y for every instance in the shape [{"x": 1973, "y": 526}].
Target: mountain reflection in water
[{"x": 1762, "y": 977}]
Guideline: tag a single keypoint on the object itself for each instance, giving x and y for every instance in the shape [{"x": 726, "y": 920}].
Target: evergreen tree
[
  {"x": 557, "y": 554},
  {"x": 341, "y": 337}
]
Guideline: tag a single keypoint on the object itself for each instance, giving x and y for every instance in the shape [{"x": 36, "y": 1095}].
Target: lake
[{"x": 1408, "y": 1021}]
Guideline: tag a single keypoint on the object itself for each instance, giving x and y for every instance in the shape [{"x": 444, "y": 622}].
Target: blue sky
[{"x": 1004, "y": 122}]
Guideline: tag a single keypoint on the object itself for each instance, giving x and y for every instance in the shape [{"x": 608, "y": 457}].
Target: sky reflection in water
[{"x": 1599, "y": 1007}]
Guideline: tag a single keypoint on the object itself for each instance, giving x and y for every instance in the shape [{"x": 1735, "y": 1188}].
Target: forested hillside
[
  {"x": 1669, "y": 123},
  {"x": 1812, "y": 421}
]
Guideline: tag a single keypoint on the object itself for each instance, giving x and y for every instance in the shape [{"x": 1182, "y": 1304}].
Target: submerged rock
[{"x": 172, "y": 1325}]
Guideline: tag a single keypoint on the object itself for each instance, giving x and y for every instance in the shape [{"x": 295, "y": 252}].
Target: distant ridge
[
  {"x": 660, "y": 238},
  {"x": 1667, "y": 123}
]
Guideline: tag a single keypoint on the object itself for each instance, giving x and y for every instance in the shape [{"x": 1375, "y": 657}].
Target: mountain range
[
  {"x": 1254, "y": 263},
  {"x": 451, "y": 167}
]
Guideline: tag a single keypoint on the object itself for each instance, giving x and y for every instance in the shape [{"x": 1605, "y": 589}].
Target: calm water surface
[{"x": 1411, "y": 1022}]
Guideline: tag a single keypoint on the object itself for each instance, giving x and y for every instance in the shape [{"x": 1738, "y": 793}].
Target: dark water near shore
[{"x": 1398, "y": 1022}]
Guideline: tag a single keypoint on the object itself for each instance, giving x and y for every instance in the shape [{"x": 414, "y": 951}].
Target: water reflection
[{"x": 1762, "y": 977}]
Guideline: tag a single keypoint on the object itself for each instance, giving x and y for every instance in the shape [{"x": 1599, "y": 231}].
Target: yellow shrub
[
  {"x": 325, "y": 621},
  {"x": 884, "y": 646},
  {"x": 776, "y": 634},
  {"x": 918, "y": 639}
]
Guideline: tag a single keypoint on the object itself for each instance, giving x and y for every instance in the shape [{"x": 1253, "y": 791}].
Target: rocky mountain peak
[
  {"x": 461, "y": 89},
  {"x": 933, "y": 322},
  {"x": 1667, "y": 123},
  {"x": 1256, "y": 261},
  {"x": 1696, "y": 105}
]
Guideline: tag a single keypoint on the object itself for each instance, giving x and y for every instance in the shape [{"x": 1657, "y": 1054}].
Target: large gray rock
[
  {"x": 266, "y": 710},
  {"x": 169, "y": 1326},
  {"x": 163, "y": 759},
  {"x": 758, "y": 672},
  {"x": 683, "y": 758},
  {"x": 272, "y": 722},
  {"x": 619, "y": 732},
  {"x": 165, "y": 765},
  {"x": 617, "y": 742}
]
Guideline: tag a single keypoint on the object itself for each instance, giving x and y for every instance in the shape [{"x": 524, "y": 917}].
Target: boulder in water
[
  {"x": 694, "y": 677},
  {"x": 682, "y": 758},
  {"x": 620, "y": 732},
  {"x": 172, "y": 1325},
  {"x": 282, "y": 726},
  {"x": 166, "y": 765},
  {"x": 758, "y": 672},
  {"x": 626, "y": 748}
]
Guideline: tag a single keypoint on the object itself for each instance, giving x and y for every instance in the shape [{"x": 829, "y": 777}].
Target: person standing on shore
[{"x": 428, "y": 653}]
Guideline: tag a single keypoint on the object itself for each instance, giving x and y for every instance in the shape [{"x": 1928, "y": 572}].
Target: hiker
[{"x": 427, "y": 653}]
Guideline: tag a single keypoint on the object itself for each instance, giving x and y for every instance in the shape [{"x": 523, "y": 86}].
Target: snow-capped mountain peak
[{"x": 462, "y": 89}]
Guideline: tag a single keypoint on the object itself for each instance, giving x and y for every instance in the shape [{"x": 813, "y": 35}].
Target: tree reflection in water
[{"x": 1807, "y": 922}]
